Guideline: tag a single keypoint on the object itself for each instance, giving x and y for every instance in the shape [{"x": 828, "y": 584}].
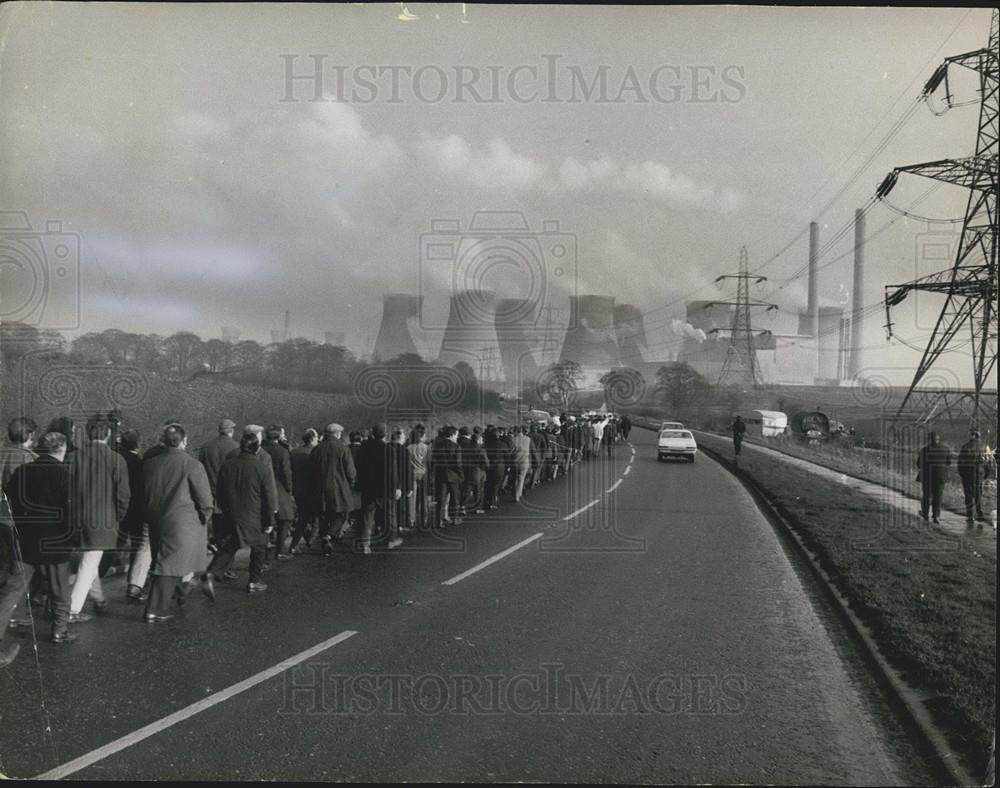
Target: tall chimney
[
  {"x": 400, "y": 311},
  {"x": 812, "y": 308},
  {"x": 857, "y": 296}
]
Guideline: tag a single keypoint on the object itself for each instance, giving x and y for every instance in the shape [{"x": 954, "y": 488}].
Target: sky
[{"x": 215, "y": 165}]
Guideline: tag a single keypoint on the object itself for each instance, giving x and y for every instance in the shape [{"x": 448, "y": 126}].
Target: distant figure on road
[
  {"x": 932, "y": 472},
  {"x": 610, "y": 437},
  {"x": 626, "y": 426},
  {"x": 739, "y": 430},
  {"x": 305, "y": 490},
  {"x": 973, "y": 469},
  {"x": 380, "y": 489}
]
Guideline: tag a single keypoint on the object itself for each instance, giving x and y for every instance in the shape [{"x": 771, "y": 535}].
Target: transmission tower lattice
[
  {"x": 970, "y": 285},
  {"x": 740, "y": 365}
]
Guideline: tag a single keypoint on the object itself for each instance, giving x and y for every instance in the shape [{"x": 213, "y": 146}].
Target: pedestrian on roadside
[
  {"x": 404, "y": 477},
  {"x": 417, "y": 450},
  {"x": 275, "y": 444},
  {"x": 21, "y": 436},
  {"x": 379, "y": 489},
  {"x": 178, "y": 508},
  {"x": 335, "y": 475},
  {"x": 99, "y": 497},
  {"x": 448, "y": 476},
  {"x": 739, "y": 429},
  {"x": 39, "y": 498},
  {"x": 305, "y": 490},
  {"x": 610, "y": 437},
  {"x": 973, "y": 469},
  {"x": 134, "y": 530},
  {"x": 932, "y": 473},
  {"x": 212, "y": 455},
  {"x": 245, "y": 496},
  {"x": 626, "y": 426},
  {"x": 521, "y": 460}
]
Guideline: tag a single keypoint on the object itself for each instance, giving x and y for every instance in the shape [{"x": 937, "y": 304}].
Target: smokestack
[
  {"x": 590, "y": 338},
  {"x": 630, "y": 331},
  {"x": 471, "y": 335},
  {"x": 857, "y": 321},
  {"x": 515, "y": 323},
  {"x": 812, "y": 308},
  {"x": 400, "y": 313}
]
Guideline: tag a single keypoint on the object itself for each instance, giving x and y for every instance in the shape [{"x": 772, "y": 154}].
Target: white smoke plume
[{"x": 682, "y": 329}]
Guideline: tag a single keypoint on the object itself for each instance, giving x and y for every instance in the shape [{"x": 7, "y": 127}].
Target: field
[{"x": 146, "y": 401}]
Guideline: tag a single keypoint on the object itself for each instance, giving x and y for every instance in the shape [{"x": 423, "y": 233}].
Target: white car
[
  {"x": 676, "y": 443},
  {"x": 671, "y": 425}
]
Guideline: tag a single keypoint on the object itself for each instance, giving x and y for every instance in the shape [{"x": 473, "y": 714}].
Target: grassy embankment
[{"x": 928, "y": 600}]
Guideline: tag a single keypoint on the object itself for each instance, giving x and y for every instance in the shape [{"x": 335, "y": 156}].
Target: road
[{"x": 660, "y": 635}]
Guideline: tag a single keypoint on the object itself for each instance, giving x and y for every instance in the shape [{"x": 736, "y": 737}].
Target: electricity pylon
[
  {"x": 970, "y": 285},
  {"x": 740, "y": 365}
]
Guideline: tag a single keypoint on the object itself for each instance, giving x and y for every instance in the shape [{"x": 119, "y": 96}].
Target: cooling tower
[
  {"x": 400, "y": 314},
  {"x": 470, "y": 335},
  {"x": 590, "y": 338},
  {"x": 515, "y": 324},
  {"x": 630, "y": 331}
]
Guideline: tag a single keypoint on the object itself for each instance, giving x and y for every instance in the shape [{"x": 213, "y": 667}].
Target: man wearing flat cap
[
  {"x": 334, "y": 476},
  {"x": 212, "y": 455}
]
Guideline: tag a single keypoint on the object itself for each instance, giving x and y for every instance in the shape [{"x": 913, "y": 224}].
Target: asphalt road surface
[{"x": 660, "y": 635}]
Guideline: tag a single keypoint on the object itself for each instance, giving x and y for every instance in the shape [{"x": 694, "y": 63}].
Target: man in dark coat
[
  {"x": 973, "y": 469},
  {"x": 932, "y": 464},
  {"x": 610, "y": 438},
  {"x": 276, "y": 445},
  {"x": 245, "y": 496},
  {"x": 335, "y": 474},
  {"x": 39, "y": 497},
  {"x": 135, "y": 532},
  {"x": 404, "y": 476},
  {"x": 380, "y": 488},
  {"x": 178, "y": 507},
  {"x": 212, "y": 455},
  {"x": 446, "y": 466},
  {"x": 21, "y": 434},
  {"x": 305, "y": 490},
  {"x": 739, "y": 430},
  {"x": 99, "y": 496},
  {"x": 626, "y": 426}
]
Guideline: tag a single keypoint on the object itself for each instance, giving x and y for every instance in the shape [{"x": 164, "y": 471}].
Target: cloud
[
  {"x": 682, "y": 329},
  {"x": 496, "y": 167}
]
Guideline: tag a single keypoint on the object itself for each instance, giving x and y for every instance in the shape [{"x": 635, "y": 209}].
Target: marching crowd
[{"x": 80, "y": 502}]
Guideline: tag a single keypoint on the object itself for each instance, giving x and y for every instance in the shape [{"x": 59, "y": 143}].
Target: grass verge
[{"x": 929, "y": 600}]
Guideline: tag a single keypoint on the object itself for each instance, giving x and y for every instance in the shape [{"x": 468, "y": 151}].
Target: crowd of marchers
[{"x": 80, "y": 501}]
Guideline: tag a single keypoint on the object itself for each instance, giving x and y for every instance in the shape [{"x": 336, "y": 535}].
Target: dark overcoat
[
  {"x": 244, "y": 491},
  {"x": 178, "y": 505},
  {"x": 39, "y": 500},
  {"x": 99, "y": 495},
  {"x": 335, "y": 474}
]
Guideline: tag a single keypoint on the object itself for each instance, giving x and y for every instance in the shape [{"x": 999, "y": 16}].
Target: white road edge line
[
  {"x": 628, "y": 470},
  {"x": 493, "y": 560},
  {"x": 187, "y": 712},
  {"x": 582, "y": 509},
  {"x": 614, "y": 486}
]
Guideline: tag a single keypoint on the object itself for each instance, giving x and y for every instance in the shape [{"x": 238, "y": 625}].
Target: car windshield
[{"x": 675, "y": 434}]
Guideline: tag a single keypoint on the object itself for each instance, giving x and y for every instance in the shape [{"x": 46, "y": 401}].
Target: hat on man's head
[
  {"x": 252, "y": 428},
  {"x": 378, "y": 430},
  {"x": 226, "y": 425}
]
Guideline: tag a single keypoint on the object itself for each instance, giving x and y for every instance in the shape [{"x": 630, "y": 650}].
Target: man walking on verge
[
  {"x": 245, "y": 492},
  {"x": 334, "y": 473},
  {"x": 39, "y": 499},
  {"x": 178, "y": 508},
  {"x": 739, "y": 430},
  {"x": 973, "y": 469},
  {"x": 932, "y": 472},
  {"x": 99, "y": 498}
]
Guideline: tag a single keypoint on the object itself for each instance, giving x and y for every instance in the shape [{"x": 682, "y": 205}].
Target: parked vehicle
[
  {"x": 766, "y": 423},
  {"x": 676, "y": 443},
  {"x": 811, "y": 426}
]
